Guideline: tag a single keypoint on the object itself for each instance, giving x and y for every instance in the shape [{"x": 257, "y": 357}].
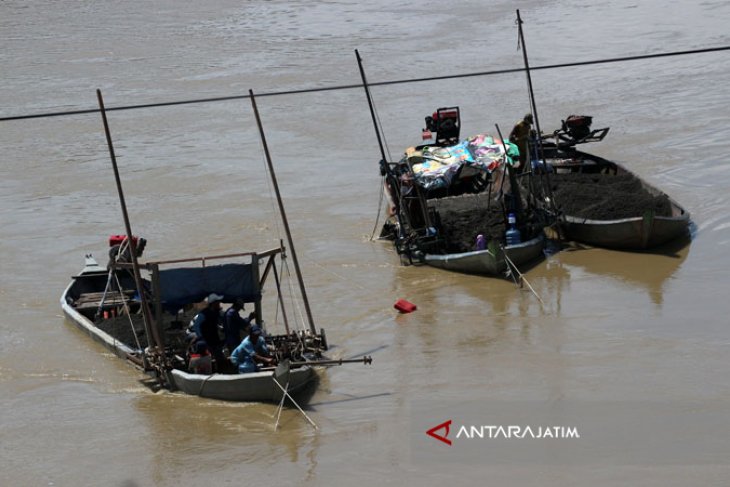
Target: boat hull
[
  {"x": 489, "y": 262},
  {"x": 252, "y": 387},
  {"x": 84, "y": 324},
  {"x": 638, "y": 233}
]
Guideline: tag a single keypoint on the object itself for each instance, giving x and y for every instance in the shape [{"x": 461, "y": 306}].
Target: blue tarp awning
[{"x": 182, "y": 286}]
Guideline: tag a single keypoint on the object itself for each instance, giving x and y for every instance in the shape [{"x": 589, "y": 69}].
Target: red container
[
  {"x": 404, "y": 306},
  {"x": 117, "y": 239}
]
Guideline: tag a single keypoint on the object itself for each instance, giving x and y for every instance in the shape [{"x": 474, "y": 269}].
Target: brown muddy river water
[{"x": 632, "y": 349}]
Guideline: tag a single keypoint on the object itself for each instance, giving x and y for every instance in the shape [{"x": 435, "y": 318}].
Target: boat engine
[
  {"x": 578, "y": 127},
  {"x": 119, "y": 250},
  {"x": 446, "y": 123}
]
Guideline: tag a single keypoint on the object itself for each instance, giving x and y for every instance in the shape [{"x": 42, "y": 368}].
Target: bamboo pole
[
  {"x": 283, "y": 214},
  {"x": 545, "y": 176},
  {"x": 533, "y": 106},
  {"x": 151, "y": 330},
  {"x": 371, "y": 105}
]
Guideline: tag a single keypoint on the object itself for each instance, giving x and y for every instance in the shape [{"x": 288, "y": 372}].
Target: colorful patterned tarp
[{"x": 441, "y": 164}]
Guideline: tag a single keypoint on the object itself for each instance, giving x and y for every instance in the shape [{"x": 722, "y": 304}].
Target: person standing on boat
[
  {"x": 205, "y": 326},
  {"x": 520, "y": 136},
  {"x": 251, "y": 352},
  {"x": 234, "y": 326}
]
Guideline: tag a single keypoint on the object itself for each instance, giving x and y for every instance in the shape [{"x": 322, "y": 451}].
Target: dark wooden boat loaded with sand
[
  {"x": 600, "y": 202},
  {"x": 451, "y": 203}
]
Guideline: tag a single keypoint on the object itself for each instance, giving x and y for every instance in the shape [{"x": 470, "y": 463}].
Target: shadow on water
[
  {"x": 189, "y": 430},
  {"x": 648, "y": 269},
  {"x": 672, "y": 248},
  {"x": 504, "y": 303}
]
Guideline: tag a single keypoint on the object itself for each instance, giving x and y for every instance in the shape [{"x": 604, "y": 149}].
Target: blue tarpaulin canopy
[{"x": 182, "y": 286}]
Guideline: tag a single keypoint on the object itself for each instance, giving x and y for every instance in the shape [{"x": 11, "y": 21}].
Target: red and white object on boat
[{"x": 118, "y": 239}]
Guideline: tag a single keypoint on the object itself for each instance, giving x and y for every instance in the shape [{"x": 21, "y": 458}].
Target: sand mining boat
[
  {"x": 141, "y": 310},
  {"x": 104, "y": 302},
  {"x": 600, "y": 202},
  {"x": 456, "y": 205}
]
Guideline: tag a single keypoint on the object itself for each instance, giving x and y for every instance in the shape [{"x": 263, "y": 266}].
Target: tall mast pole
[
  {"x": 283, "y": 213},
  {"x": 421, "y": 199},
  {"x": 151, "y": 330},
  {"x": 533, "y": 106},
  {"x": 538, "y": 139},
  {"x": 370, "y": 104}
]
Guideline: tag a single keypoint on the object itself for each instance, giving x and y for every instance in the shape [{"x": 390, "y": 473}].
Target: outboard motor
[
  {"x": 119, "y": 250},
  {"x": 578, "y": 127}
]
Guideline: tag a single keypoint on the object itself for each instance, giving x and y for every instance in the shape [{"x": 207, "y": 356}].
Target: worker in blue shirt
[{"x": 251, "y": 352}]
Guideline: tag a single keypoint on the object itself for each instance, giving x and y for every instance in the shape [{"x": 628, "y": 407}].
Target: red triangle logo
[{"x": 446, "y": 425}]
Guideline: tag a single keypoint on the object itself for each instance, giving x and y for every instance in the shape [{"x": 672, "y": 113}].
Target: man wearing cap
[
  {"x": 234, "y": 326},
  {"x": 205, "y": 325},
  {"x": 251, "y": 352}
]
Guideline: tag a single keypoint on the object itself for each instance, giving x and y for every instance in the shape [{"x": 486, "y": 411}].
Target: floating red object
[{"x": 404, "y": 306}]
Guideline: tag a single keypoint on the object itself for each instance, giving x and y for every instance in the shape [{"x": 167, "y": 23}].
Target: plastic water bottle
[
  {"x": 481, "y": 243},
  {"x": 512, "y": 235}
]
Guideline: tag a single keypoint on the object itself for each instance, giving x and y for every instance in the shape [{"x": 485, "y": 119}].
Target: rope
[
  {"x": 129, "y": 315},
  {"x": 380, "y": 127},
  {"x": 390, "y": 157},
  {"x": 380, "y": 209},
  {"x": 202, "y": 384},
  {"x": 280, "y": 302},
  {"x": 295, "y": 302},
  {"x": 360, "y": 86},
  {"x": 272, "y": 197},
  {"x": 349, "y": 281},
  {"x": 522, "y": 278}
]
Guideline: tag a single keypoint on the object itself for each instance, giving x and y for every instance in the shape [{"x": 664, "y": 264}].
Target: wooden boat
[
  {"x": 446, "y": 195},
  {"x": 602, "y": 203},
  {"x": 104, "y": 303},
  {"x": 489, "y": 262},
  {"x": 112, "y": 304}
]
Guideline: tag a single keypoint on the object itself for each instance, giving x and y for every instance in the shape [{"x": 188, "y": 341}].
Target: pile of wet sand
[
  {"x": 120, "y": 328},
  {"x": 465, "y": 217},
  {"x": 605, "y": 196}
]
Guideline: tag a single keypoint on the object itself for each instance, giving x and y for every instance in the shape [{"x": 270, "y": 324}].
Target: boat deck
[{"x": 94, "y": 300}]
